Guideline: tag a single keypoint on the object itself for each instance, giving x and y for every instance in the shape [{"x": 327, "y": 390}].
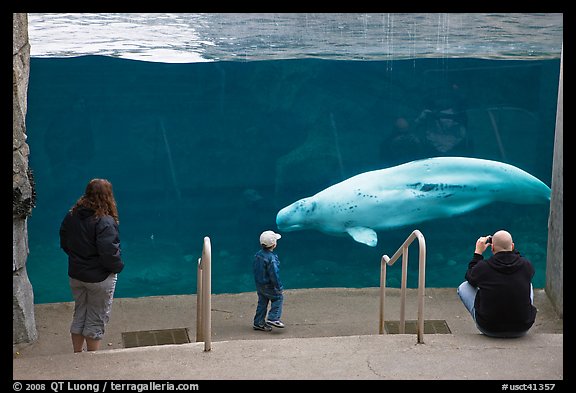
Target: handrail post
[
  {"x": 402, "y": 322},
  {"x": 206, "y": 294},
  {"x": 199, "y": 333},
  {"x": 421, "y": 286},
  {"x": 383, "y": 263}
]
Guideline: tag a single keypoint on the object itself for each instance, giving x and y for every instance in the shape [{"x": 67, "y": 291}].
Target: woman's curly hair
[{"x": 100, "y": 198}]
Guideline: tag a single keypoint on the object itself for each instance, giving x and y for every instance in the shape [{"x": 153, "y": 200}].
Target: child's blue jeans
[{"x": 265, "y": 296}]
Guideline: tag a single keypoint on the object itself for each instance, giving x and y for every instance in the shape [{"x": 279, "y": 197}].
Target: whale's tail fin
[{"x": 531, "y": 190}]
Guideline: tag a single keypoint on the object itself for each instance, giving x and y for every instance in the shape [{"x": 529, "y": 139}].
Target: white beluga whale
[{"x": 411, "y": 193}]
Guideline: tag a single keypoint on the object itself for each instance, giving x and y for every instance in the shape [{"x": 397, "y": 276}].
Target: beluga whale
[{"x": 411, "y": 193}]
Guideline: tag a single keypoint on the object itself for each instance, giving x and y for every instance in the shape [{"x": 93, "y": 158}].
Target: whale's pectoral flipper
[{"x": 363, "y": 235}]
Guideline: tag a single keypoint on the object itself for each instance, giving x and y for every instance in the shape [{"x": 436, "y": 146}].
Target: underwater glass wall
[{"x": 211, "y": 124}]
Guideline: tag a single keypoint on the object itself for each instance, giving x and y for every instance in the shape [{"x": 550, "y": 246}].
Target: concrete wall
[
  {"x": 23, "y": 194},
  {"x": 555, "y": 259}
]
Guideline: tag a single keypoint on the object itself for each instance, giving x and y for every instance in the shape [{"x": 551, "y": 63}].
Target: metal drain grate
[
  {"x": 155, "y": 337},
  {"x": 431, "y": 326}
]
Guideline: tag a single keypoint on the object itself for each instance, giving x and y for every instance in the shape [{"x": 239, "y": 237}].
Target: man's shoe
[
  {"x": 264, "y": 328},
  {"x": 277, "y": 323}
]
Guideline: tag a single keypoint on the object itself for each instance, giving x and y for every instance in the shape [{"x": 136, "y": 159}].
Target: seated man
[{"x": 498, "y": 291}]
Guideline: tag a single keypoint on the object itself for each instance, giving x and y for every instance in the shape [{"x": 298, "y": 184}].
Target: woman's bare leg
[
  {"x": 92, "y": 345},
  {"x": 77, "y": 342}
]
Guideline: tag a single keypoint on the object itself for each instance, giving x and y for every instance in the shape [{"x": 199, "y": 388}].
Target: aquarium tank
[{"x": 211, "y": 124}]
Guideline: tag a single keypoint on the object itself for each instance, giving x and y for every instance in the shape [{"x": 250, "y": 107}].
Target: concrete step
[{"x": 394, "y": 356}]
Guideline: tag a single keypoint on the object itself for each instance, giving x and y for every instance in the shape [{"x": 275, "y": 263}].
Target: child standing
[{"x": 268, "y": 285}]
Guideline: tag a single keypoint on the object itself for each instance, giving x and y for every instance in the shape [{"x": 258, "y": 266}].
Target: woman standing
[{"x": 89, "y": 236}]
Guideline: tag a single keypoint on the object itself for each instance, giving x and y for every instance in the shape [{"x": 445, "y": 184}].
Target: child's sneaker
[
  {"x": 264, "y": 328},
  {"x": 277, "y": 323}
]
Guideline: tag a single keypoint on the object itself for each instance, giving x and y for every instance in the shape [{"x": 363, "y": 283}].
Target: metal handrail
[
  {"x": 199, "y": 335},
  {"x": 403, "y": 250},
  {"x": 203, "y": 297}
]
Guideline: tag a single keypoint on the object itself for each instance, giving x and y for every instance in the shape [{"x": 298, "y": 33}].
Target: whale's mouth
[{"x": 288, "y": 228}]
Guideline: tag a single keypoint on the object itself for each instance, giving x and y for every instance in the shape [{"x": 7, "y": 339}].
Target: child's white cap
[{"x": 268, "y": 238}]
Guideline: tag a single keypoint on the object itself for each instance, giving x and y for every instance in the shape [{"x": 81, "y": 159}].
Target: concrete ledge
[{"x": 330, "y": 333}]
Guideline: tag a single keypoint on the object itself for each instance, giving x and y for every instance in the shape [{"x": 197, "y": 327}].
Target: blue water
[{"x": 216, "y": 148}]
